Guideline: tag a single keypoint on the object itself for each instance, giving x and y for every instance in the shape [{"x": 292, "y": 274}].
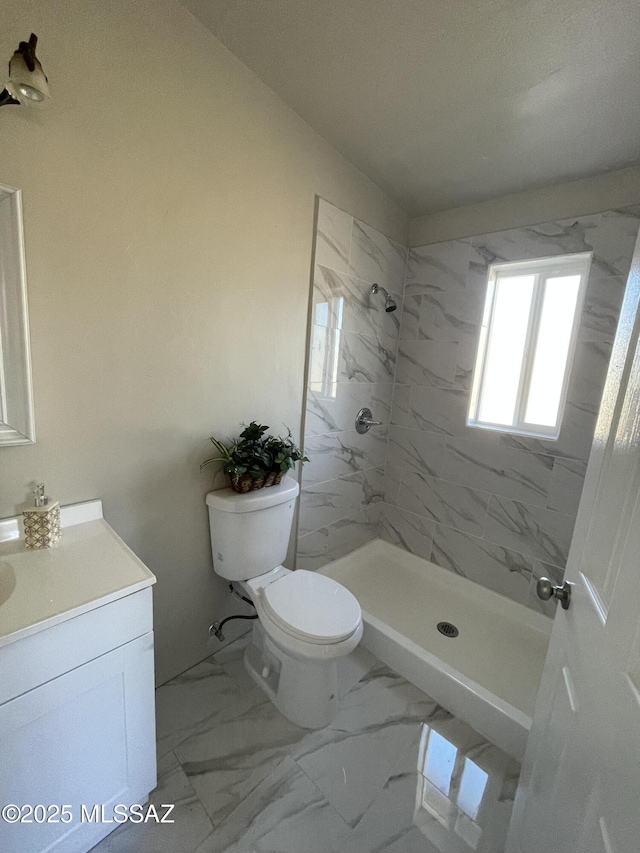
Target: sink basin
[{"x": 7, "y": 581}]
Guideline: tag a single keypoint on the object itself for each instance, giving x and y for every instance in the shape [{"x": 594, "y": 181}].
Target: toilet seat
[{"x": 311, "y": 607}]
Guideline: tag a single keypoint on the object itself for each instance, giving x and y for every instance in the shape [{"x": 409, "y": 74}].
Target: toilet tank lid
[{"x": 226, "y": 500}]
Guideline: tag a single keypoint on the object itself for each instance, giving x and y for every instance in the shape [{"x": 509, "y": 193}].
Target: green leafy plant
[
  {"x": 284, "y": 452},
  {"x": 255, "y": 460}
]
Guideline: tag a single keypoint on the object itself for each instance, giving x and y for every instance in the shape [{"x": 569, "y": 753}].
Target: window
[{"x": 527, "y": 339}]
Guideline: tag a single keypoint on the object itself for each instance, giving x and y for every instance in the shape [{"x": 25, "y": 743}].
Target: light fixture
[{"x": 27, "y": 81}]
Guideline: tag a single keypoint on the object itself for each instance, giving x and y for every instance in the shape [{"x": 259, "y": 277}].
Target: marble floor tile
[
  {"x": 254, "y": 783},
  {"x": 284, "y": 813},
  {"x": 352, "y": 772},
  {"x": 432, "y": 807},
  {"x": 376, "y": 726},
  {"x": 390, "y": 825},
  {"x": 231, "y": 659},
  {"x": 190, "y": 827},
  {"x": 354, "y": 668},
  {"x": 247, "y": 742},
  {"x": 381, "y": 698},
  {"x": 187, "y": 704}
]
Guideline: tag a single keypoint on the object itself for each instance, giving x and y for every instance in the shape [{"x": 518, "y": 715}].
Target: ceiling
[{"x": 446, "y": 102}]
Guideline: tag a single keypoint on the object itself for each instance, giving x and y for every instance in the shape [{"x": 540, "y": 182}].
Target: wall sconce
[{"x": 27, "y": 81}]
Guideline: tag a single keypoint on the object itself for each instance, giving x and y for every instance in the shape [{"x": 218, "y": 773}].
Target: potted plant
[
  {"x": 284, "y": 454},
  {"x": 255, "y": 460}
]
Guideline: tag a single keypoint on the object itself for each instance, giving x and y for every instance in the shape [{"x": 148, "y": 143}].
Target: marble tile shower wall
[
  {"x": 497, "y": 508},
  {"x": 354, "y": 345}
]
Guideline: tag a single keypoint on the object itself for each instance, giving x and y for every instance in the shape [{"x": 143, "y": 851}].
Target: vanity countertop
[{"x": 90, "y": 566}]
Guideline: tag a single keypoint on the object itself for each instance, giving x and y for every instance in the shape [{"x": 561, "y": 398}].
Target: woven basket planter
[{"x": 246, "y": 483}]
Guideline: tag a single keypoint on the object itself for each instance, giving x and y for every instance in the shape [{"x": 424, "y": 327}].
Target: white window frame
[{"x": 542, "y": 269}]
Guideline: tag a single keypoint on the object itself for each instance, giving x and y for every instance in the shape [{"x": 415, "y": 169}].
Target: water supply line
[{"x": 215, "y": 629}]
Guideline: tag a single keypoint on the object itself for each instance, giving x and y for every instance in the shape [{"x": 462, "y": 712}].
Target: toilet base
[{"x": 304, "y": 691}]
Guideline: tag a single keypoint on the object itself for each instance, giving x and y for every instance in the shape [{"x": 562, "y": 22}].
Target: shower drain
[{"x": 448, "y": 629}]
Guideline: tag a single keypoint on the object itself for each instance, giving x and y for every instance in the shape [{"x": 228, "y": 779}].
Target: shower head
[{"x": 390, "y": 303}]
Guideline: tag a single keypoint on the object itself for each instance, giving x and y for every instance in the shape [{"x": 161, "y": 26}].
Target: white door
[{"x": 580, "y": 785}]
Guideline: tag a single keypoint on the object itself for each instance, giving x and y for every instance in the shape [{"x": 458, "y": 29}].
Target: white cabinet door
[
  {"x": 580, "y": 779},
  {"x": 85, "y": 738}
]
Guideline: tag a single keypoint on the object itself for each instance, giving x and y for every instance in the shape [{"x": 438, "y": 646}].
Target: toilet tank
[{"x": 250, "y": 532}]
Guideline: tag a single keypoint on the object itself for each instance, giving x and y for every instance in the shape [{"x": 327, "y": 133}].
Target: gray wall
[
  {"x": 168, "y": 231},
  {"x": 609, "y": 191},
  {"x": 496, "y": 508}
]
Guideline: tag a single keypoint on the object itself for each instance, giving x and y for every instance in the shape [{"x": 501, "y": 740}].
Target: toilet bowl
[
  {"x": 305, "y": 626},
  {"x": 306, "y": 622}
]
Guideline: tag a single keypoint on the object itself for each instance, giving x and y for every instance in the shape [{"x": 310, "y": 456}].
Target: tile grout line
[
  {"x": 349, "y": 517},
  {"x": 482, "y": 537},
  {"x": 354, "y": 277},
  {"x": 556, "y": 458},
  {"x": 196, "y": 798},
  {"x": 484, "y": 491},
  {"x": 345, "y": 476},
  {"x": 321, "y": 793}
]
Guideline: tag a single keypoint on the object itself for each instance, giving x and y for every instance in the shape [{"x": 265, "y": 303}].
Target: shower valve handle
[
  {"x": 364, "y": 421},
  {"x": 547, "y": 590}
]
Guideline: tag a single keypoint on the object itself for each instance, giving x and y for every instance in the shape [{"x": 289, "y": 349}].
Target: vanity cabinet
[{"x": 77, "y": 716}]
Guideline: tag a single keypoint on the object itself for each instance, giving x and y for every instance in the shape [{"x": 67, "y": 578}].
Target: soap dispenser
[{"x": 41, "y": 521}]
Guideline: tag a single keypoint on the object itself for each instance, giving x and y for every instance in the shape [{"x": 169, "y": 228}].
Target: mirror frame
[{"x": 17, "y": 424}]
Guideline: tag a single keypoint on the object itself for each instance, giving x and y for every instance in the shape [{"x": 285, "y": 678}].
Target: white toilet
[{"x": 306, "y": 621}]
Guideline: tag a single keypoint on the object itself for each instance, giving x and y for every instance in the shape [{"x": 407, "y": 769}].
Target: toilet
[{"x": 306, "y": 621}]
